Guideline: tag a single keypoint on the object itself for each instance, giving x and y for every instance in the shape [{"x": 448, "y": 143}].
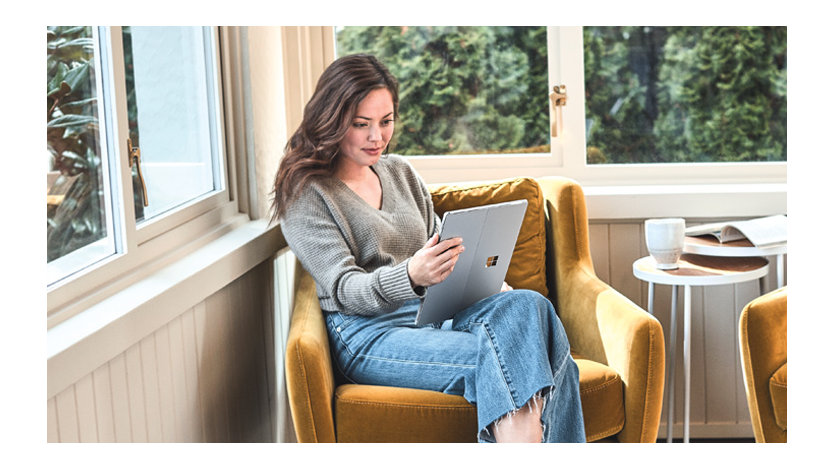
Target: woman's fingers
[
  {"x": 447, "y": 245},
  {"x": 450, "y": 257},
  {"x": 434, "y": 262},
  {"x": 449, "y": 263}
]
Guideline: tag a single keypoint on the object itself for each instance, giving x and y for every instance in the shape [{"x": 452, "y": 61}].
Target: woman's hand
[
  {"x": 506, "y": 287},
  {"x": 434, "y": 262}
]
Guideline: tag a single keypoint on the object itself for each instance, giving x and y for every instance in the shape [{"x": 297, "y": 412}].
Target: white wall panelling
[{"x": 209, "y": 375}]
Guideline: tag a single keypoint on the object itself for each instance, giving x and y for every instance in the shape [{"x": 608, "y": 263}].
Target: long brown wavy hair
[{"x": 312, "y": 150}]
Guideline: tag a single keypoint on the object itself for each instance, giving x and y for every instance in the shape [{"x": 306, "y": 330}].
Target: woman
[{"x": 359, "y": 219}]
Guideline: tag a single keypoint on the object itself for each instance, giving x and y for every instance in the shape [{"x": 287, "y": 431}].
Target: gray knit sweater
[{"x": 357, "y": 254}]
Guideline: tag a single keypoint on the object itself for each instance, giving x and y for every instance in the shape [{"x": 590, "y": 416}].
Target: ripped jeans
[{"x": 498, "y": 354}]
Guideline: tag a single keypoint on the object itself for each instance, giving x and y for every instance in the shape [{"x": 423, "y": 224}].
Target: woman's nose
[{"x": 375, "y": 134}]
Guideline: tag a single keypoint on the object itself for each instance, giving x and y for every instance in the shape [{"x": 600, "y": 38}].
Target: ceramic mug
[{"x": 664, "y": 239}]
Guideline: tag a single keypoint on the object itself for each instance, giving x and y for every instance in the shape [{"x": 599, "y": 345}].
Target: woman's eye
[
  {"x": 360, "y": 124},
  {"x": 387, "y": 122}
]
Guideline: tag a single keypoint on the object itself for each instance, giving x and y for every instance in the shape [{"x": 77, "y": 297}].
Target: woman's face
[{"x": 370, "y": 131}]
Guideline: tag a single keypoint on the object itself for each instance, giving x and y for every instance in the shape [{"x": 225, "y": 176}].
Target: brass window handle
[
  {"x": 558, "y": 98},
  {"x": 133, "y": 156}
]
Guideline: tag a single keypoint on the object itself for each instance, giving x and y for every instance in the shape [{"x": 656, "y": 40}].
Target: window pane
[
  {"x": 77, "y": 208},
  {"x": 463, "y": 90},
  {"x": 171, "y": 111},
  {"x": 685, "y": 94}
]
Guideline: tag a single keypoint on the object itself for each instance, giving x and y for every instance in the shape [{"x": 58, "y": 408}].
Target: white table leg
[
  {"x": 687, "y": 346},
  {"x": 670, "y": 366},
  {"x": 651, "y": 299},
  {"x": 780, "y": 271}
]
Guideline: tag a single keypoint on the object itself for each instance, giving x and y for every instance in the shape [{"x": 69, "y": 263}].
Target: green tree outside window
[
  {"x": 652, "y": 94},
  {"x": 463, "y": 89}
]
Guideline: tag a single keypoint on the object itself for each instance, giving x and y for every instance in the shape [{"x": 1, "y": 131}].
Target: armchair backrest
[{"x": 567, "y": 228}]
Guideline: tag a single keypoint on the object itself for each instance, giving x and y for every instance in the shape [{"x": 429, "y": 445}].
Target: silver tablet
[{"x": 489, "y": 234}]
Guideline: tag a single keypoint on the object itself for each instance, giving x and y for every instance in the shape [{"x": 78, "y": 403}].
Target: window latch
[
  {"x": 559, "y": 98},
  {"x": 133, "y": 155}
]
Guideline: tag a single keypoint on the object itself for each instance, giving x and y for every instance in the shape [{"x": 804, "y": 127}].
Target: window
[
  {"x": 170, "y": 109},
  {"x": 685, "y": 94},
  {"x": 135, "y": 148},
  {"x": 79, "y": 212},
  {"x": 639, "y": 107},
  {"x": 585, "y": 131},
  {"x": 463, "y": 89}
]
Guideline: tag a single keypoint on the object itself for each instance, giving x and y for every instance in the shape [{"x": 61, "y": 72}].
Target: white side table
[
  {"x": 710, "y": 246},
  {"x": 693, "y": 270}
]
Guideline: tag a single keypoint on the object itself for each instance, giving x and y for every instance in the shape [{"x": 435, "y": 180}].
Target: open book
[{"x": 761, "y": 232}]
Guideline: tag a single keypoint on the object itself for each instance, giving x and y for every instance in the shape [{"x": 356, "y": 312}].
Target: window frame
[
  {"x": 568, "y": 150},
  {"x": 569, "y": 42},
  {"x": 109, "y": 244},
  {"x": 147, "y": 245}
]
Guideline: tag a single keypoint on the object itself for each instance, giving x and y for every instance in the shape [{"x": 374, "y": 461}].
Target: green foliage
[
  {"x": 463, "y": 89},
  {"x": 72, "y": 127},
  {"x": 686, "y": 94},
  {"x": 653, "y": 94}
]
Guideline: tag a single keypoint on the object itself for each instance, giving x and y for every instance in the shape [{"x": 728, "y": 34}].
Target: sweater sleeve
[{"x": 312, "y": 232}]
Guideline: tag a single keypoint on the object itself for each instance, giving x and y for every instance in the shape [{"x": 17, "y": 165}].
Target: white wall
[
  {"x": 209, "y": 375},
  {"x": 199, "y": 378}
]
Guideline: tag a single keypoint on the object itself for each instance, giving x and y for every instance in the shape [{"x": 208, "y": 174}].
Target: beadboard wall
[
  {"x": 213, "y": 374},
  {"x": 718, "y": 406}
]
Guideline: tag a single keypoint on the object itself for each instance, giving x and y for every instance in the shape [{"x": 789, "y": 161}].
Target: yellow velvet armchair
[
  {"x": 618, "y": 347},
  {"x": 763, "y": 330}
]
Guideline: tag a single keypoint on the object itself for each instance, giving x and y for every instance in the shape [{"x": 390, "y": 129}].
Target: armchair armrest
[
  {"x": 602, "y": 324},
  {"x": 310, "y": 382},
  {"x": 763, "y": 347}
]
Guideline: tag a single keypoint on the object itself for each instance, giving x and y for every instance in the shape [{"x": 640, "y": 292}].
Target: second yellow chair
[{"x": 763, "y": 331}]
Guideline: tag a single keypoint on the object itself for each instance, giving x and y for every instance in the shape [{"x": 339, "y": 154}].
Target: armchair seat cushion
[
  {"x": 603, "y": 402},
  {"x": 371, "y": 413},
  {"x": 779, "y": 395}
]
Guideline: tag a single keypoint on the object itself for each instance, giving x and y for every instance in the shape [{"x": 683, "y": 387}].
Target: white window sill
[
  {"x": 693, "y": 200},
  {"x": 701, "y": 193},
  {"x": 94, "y": 336}
]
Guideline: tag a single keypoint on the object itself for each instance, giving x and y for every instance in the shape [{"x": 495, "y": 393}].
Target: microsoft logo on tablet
[{"x": 492, "y": 261}]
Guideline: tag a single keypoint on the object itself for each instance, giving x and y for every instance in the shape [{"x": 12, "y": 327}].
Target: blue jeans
[{"x": 498, "y": 354}]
